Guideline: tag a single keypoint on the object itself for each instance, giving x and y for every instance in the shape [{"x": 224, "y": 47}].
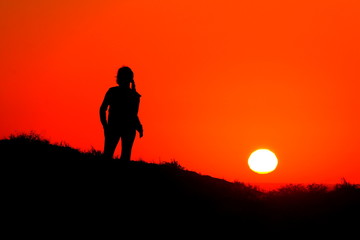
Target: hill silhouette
[{"x": 59, "y": 187}]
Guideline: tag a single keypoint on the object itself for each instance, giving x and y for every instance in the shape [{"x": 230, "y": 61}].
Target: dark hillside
[{"x": 56, "y": 186}]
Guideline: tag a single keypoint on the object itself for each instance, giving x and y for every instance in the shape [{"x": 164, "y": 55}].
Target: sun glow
[{"x": 262, "y": 161}]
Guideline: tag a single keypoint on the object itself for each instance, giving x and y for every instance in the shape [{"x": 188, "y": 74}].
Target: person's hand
[{"x": 141, "y": 132}]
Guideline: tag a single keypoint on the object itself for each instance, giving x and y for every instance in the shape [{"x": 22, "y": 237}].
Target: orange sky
[{"x": 219, "y": 79}]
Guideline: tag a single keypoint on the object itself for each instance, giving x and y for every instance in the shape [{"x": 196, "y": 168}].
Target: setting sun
[{"x": 263, "y": 161}]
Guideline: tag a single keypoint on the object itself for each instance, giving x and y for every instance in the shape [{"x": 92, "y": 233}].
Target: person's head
[{"x": 125, "y": 76}]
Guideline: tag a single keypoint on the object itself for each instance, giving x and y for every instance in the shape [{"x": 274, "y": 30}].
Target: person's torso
[{"x": 124, "y": 103}]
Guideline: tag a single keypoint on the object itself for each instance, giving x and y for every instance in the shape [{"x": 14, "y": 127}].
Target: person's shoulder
[
  {"x": 112, "y": 90},
  {"x": 116, "y": 88}
]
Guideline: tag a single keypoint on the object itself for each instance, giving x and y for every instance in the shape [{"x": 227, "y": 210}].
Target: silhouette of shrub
[
  {"x": 94, "y": 153},
  {"x": 173, "y": 164},
  {"x": 299, "y": 189},
  {"x": 346, "y": 186},
  {"x": 290, "y": 189},
  {"x": 31, "y": 137},
  {"x": 317, "y": 188},
  {"x": 248, "y": 189}
]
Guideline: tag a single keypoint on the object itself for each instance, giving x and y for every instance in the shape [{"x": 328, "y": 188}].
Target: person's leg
[
  {"x": 111, "y": 141},
  {"x": 127, "y": 140}
]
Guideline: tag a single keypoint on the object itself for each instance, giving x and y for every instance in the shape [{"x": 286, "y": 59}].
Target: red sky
[{"x": 218, "y": 80}]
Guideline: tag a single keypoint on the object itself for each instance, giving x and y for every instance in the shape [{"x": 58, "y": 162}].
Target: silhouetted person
[{"x": 122, "y": 121}]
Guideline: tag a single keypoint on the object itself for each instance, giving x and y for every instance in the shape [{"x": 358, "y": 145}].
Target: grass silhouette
[{"x": 59, "y": 187}]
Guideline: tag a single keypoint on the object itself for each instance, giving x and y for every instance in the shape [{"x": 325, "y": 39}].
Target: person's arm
[
  {"x": 139, "y": 126},
  {"x": 103, "y": 109}
]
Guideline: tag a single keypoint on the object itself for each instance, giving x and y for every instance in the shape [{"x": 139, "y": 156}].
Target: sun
[{"x": 263, "y": 161}]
